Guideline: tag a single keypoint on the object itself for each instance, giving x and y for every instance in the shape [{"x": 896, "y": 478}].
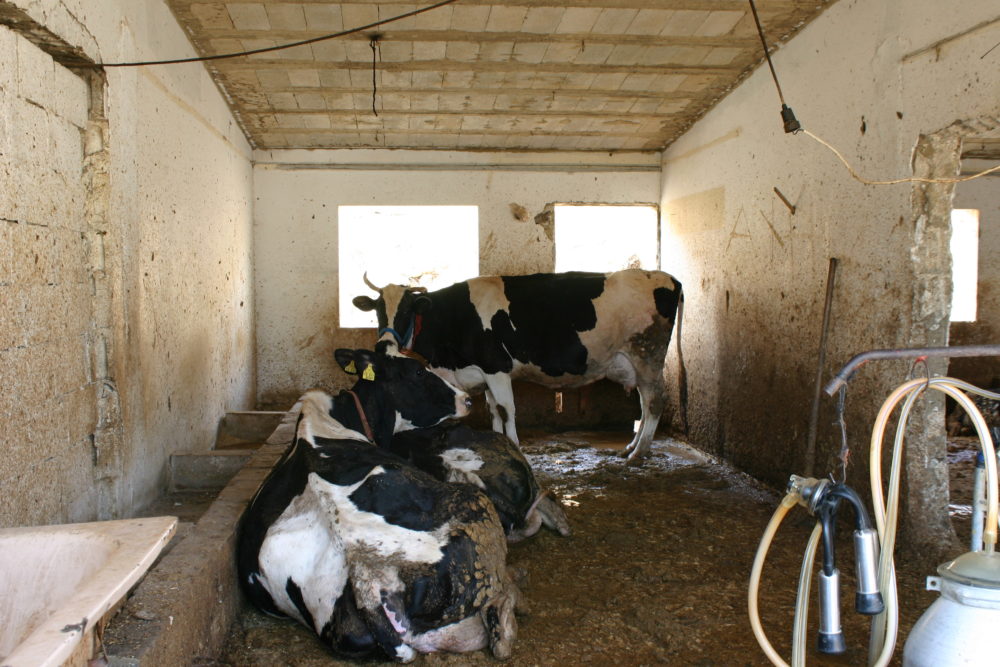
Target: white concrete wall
[
  {"x": 861, "y": 77},
  {"x": 126, "y": 264},
  {"x": 295, "y": 223}
]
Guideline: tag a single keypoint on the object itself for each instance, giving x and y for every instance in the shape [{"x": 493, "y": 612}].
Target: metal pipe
[
  {"x": 845, "y": 373},
  {"x": 810, "y": 461}
]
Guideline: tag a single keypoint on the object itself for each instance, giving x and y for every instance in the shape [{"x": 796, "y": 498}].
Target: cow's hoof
[
  {"x": 553, "y": 515},
  {"x": 501, "y": 626},
  {"x": 636, "y": 459},
  {"x": 405, "y": 653}
]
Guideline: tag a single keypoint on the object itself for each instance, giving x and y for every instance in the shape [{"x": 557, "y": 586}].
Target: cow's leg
[
  {"x": 501, "y": 626},
  {"x": 382, "y": 613},
  {"x": 552, "y": 515},
  {"x": 499, "y": 385},
  {"x": 472, "y": 379},
  {"x": 491, "y": 402},
  {"x": 651, "y": 401}
]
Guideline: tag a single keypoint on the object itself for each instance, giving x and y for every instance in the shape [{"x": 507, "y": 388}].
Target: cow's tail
[{"x": 682, "y": 400}]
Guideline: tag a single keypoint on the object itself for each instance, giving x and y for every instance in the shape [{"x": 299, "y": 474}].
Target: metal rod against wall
[
  {"x": 790, "y": 205},
  {"x": 831, "y": 275},
  {"x": 845, "y": 373}
]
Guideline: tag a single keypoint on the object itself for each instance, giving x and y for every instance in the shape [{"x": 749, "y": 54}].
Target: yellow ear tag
[
  {"x": 351, "y": 368},
  {"x": 368, "y": 374}
]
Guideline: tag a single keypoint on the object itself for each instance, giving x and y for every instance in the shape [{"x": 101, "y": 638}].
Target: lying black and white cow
[
  {"x": 560, "y": 330},
  {"x": 453, "y": 452},
  {"x": 378, "y": 558}
]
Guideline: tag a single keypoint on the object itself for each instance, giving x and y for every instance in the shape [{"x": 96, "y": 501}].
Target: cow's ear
[
  {"x": 345, "y": 359},
  {"x": 365, "y": 303},
  {"x": 422, "y": 304},
  {"x": 364, "y": 360}
]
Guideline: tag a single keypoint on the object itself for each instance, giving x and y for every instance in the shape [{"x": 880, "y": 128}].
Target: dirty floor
[{"x": 655, "y": 572}]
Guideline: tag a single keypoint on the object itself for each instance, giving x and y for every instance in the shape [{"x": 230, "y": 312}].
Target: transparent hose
[
  {"x": 799, "y": 631},
  {"x": 885, "y": 626},
  {"x": 787, "y": 503}
]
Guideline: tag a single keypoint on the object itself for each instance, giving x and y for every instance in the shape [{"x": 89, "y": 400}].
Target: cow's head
[
  {"x": 396, "y": 308},
  {"x": 398, "y": 392}
]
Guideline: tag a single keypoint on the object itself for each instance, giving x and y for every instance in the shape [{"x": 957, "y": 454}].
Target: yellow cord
[{"x": 912, "y": 179}]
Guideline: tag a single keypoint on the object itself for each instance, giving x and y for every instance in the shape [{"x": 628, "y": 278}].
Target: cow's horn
[{"x": 369, "y": 283}]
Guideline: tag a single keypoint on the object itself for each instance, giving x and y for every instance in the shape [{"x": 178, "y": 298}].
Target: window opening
[
  {"x": 429, "y": 246},
  {"x": 964, "y": 263},
  {"x": 605, "y": 238}
]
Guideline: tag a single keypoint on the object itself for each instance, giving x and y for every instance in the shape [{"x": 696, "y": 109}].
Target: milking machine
[
  {"x": 822, "y": 499},
  {"x": 957, "y": 628}
]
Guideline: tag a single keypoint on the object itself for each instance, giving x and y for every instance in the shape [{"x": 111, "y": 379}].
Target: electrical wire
[
  {"x": 912, "y": 179},
  {"x": 280, "y": 47},
  {"x": 767, "y": 54},
  {"x": 845, "y": 450},
  {"x": 374, "y": 43},
  {"x": 792, "y": 126}
]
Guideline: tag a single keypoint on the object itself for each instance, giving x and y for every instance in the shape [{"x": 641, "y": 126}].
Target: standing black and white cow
[
  {"x": 453, "y": 452},
  {"x": 377, "y": 557},
  {"x": 559, "y": 330}
]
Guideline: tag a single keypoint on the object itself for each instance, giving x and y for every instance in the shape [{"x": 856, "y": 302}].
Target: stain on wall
[{"x": 697, "y": 213}]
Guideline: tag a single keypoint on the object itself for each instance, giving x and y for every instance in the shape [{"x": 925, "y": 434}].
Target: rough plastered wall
[
  {"x": 125, "y": 234},
  {"x": 982, "y": 194},
  {"x": 877, "y": 79},
  {"x": 295, "y": 223}
]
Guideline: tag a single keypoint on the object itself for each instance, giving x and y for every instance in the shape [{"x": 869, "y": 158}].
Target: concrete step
[
  {"x": 240, "y": 433},
  {"x": 206, "y": 470},
  {"x": 246, "y": 429}
]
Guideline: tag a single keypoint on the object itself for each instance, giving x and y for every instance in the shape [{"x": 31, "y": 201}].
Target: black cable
[
  {"x": 763, "y": 42},
  {"x": 280, "y": 47},
  {"x": 374, "y": 45},
  {"x": 791, "y": 124}
]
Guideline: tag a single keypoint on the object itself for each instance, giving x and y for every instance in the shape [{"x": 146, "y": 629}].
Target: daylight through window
[
  {"x": 964, "y": 264},
  {"x": 431, "y": 246},
  {"x": 605, "y": 238}
]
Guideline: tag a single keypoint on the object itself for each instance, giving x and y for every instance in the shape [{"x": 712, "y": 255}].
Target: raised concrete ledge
[
  {"x": 237, "y": 429},
  {"x": 185, "y": 606},
  {"x": 210, "y": 470}
]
